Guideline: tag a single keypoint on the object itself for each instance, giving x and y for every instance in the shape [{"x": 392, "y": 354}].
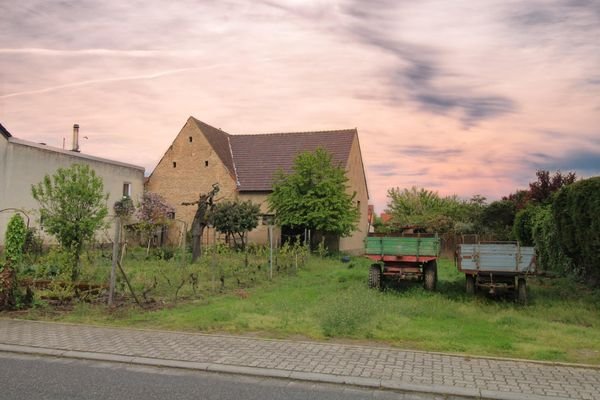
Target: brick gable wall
[{"x": 197, "y": 166}]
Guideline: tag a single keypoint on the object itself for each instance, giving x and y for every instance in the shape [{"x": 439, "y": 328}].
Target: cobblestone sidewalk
[{"x": 326, "y": 362}]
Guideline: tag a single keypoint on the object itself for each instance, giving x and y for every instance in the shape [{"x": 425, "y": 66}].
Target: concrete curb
[{"x": 275, "y": 373}]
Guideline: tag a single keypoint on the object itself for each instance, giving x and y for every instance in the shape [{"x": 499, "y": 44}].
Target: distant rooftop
[{"x": 12, "y": 139}]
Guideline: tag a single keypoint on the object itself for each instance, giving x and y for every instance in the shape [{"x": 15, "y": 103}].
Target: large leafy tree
[
  {"x": 498, "y": 218},
  {"x": 314, "y": 196},
  {"x": 427, "y": 209},
  {"x": 542, "y": 189},
  {"x": 72, "y": 207},
  {"x": 235, "y": 219}
]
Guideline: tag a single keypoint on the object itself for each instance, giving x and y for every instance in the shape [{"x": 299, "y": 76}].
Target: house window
[
  {"x": 174, "y": 164},
  {"x": 171, "y": 215},
  {"x": 126, "y": 189},
  {"x": 190, "y": 139},
  {"x": 358, "y": 204},
  {"x": 206, "y": 163}
]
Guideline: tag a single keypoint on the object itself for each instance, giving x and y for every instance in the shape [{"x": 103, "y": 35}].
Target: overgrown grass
[{"x": 329, "y": 300}]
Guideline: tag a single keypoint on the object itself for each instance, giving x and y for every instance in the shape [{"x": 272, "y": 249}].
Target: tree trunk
[
  {"x": 76, "y": 262},
  {"x": 196, "y": 245},
  {"x": 242, "y": 241}
]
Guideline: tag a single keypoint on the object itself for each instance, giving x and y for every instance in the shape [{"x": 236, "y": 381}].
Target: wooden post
[
  {"x": 183, "y": 244},
  {"x": 270, "y": 251},
  {"x": 115, "y": 260},
  {"x": 214, "y": 257}
]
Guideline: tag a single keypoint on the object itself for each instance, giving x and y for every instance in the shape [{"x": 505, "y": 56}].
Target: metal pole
[{"x": 115, "y": 259}]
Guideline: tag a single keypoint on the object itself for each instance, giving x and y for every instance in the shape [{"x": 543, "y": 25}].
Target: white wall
[{"x": 23, "y": 164}]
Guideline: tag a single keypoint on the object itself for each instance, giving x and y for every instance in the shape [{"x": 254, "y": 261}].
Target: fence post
[
  {"x": 115, "y": 259},
  {"x": 270, "y": 251}
]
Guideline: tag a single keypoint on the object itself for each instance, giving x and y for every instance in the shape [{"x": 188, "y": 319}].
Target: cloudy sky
[{"x": 463, "y": 97}]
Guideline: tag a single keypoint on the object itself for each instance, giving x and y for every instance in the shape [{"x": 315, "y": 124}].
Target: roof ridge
[
  {"x": 197, "y": 121},
  {"x": 72, "y": 153},
  {"x": 353, "y": 130},
  {"x": 237, "y": 178}
]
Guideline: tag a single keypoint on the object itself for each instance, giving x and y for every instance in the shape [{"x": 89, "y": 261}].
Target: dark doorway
[{"x": 292, "y": 235}]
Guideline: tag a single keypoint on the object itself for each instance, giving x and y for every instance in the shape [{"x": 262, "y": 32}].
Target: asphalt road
[{"x": 31, "y": 377}]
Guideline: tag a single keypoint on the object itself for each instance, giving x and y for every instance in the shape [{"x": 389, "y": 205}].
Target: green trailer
[{"x": 403, "y": 257}]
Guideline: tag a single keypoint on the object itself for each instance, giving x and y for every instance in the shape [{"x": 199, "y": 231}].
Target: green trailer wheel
[
  {"x": 470, "y": 284},
  {"x": 430, "y": 275}
]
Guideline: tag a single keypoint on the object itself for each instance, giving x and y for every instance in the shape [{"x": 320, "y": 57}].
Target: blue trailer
[{"x": 496, "y": 266}]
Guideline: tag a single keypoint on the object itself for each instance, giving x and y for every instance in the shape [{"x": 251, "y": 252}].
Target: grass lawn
[{"x": 329, "y": 300}]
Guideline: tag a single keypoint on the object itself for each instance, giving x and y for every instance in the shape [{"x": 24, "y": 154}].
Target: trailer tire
[
  {"x": 470, "y": 284},
  {"x": 522, "y": 291},
  {"x": 430, "y": 275},
  {"x": 375, "y": 277}
]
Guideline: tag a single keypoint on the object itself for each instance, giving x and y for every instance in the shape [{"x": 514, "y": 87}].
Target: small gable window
[
  {"x": 206, "y": 163},
  {"x": 174, "y": 164},
  {"x": 190, "y": 139}
]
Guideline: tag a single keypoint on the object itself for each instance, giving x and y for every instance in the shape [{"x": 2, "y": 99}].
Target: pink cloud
[{"x": 457, "y": 98}]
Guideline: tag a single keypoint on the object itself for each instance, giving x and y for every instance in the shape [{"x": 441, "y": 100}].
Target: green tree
[
  {"x": 314, "y": 196},
  {"x": 235, "y": 219},
  {"x": 520, "y": 198},
  {"x": 427, "y": 209},
  {"x": 498, "y": 217},
  {"x": 72, "y": 207},
  {"x": 379, "y": 226},
  {"x": 576, "y": 211},
  {"x": 14, "y": 242}
]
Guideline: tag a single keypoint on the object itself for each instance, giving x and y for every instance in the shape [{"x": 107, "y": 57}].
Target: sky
[{"x": 461, "y": 97}]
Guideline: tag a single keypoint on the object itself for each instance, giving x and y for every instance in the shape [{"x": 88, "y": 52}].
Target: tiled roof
[
  {"x": 4, "y": 132},
  {"x": 258, "y": 157},
  {"x": 254, "y": 159}
]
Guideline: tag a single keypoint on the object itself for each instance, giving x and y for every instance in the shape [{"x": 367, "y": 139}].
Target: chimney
[{"x": 75, "y": 138}]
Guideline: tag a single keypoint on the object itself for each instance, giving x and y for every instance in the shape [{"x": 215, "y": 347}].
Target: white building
[{"x": 24, "y": 163}]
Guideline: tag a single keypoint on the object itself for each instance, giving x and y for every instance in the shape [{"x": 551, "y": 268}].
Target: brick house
[{"x": 244, "y": 165}]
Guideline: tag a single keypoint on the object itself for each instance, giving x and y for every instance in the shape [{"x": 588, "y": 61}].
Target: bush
[
  {"x": 545, "y": 237},
  {"x": 523, "y": 226},
  {"x": 56, "y": 264},
  {"x": 576, "y": 210},
  {"x": 16, "y": 235}
]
